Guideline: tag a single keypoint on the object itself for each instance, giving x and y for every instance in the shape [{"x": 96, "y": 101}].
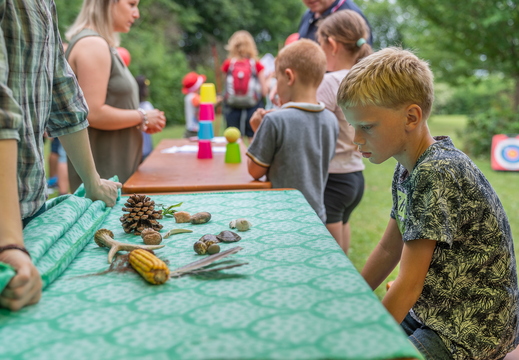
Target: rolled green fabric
[
  {"x": 57, "y": 236},
  {"x": 6, "y": 274}
]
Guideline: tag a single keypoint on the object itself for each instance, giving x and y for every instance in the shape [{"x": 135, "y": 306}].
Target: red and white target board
[{"x": 505, "y": 152}]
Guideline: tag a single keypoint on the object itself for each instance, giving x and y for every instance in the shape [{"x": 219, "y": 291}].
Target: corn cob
[{"x": 150, "y": 267}]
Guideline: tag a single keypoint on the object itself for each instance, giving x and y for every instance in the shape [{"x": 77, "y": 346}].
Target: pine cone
[{"x": 141, "y": 214}]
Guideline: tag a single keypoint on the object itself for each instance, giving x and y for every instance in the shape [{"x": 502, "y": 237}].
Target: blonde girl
[{"x": 343, "y": 37}]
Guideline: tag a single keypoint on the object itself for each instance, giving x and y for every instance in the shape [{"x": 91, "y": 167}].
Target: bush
[
  {"x": 480, "y": 128},
  {"x": 472, "y": 95}
]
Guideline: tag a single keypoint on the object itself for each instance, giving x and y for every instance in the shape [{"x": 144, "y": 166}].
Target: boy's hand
[
  {"x": 257, "y": 118},
  {"x": 156, "y": 121},
  {"x": 104, "y": 190},
  {"x": 25, "y": 287}
]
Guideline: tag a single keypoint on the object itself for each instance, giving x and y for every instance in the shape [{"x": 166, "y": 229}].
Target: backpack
[{"x": 242, "y": 87}]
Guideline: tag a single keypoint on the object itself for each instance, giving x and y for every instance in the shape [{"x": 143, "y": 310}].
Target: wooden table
[{"x": 184, "y": 172}]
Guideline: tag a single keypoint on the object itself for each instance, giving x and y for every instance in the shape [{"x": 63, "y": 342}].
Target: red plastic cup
[
  {"x": 204, "y": 149},
  {"x": 206, "y": 112}
]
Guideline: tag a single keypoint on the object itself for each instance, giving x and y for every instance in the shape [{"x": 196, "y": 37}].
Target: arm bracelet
[
  {"x": 14, "y": 247},
  {"x": 144, "y": 116}
]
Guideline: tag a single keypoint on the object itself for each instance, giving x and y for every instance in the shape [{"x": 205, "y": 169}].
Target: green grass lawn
[{"x": 370, "y": 218}]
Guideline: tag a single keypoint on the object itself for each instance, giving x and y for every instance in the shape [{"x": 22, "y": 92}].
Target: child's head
[
  {"x": 306, "y": 59},
  {"x": 192, "y": 82},
  {"x": 242, "y": 45},
  {"x": 387, "y": 98},
  {"x": 300, "y": 67},
  {"x": 348, "y": 29},
  {"x": 390, "y": 78}
]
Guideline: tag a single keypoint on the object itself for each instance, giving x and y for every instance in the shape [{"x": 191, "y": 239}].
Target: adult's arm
[
  {"x": 77, "y": 146},
  {"x": 25, "y": 287},
  {"x": 90, "y": 60}
]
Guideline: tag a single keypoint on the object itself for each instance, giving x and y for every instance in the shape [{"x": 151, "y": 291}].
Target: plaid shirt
[{"x": 38, "y": 91}]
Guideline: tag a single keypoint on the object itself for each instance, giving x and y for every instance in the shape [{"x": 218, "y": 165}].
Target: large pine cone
[{"x": 141, "y": 214}]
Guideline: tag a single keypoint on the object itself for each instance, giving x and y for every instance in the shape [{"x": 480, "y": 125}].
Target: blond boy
[
  {"x": 293, "y": 146},
  {"x": 456, "y": 293}
]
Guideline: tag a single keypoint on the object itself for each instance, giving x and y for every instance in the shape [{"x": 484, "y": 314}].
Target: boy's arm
[
  {"x": 255, "y": 170},
  {"x": 406, "y": 289},
  {"x": 385, "y": 257},
  {"x": 77, "y": 146}
]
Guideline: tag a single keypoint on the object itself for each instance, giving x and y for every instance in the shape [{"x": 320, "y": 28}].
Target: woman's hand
[
  {"x": 156, "y": 121},
  {"x": 104, "y": 190},
  {"x": 25, "y": 287}
]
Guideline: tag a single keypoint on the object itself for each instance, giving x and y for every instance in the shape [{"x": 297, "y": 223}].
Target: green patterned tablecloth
[{"x": 299, "y": 297}]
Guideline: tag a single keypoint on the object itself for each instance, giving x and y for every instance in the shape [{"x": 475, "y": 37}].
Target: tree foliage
[
  {"x": 468, "y": 37},
  {"x": 172, "y": 38}
]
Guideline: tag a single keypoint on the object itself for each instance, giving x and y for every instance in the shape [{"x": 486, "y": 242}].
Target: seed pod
[{"x": 200, "y": 248}]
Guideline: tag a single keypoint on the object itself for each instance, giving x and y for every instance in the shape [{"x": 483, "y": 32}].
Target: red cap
[{"x": 192, "y": 82}]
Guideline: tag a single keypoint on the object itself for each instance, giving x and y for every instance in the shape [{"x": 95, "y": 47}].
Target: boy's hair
[
  {"x": 241, "y": 45},
  {"x": 349, "y": 29},
  {"x": 389, "y": 78},
  {"x": 304, "y": 57}
]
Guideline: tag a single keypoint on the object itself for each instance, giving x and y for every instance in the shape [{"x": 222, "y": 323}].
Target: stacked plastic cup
[{"x": 205, "y": 120}]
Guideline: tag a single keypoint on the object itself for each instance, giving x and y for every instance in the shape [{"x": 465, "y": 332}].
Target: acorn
[{"x": 200, "y": 248}]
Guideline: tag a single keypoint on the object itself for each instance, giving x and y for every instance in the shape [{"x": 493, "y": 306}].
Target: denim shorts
[{"x": 427, "y": 341}]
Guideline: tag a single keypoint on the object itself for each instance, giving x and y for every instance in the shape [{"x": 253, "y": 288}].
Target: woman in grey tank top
[{"x": 110, "y": 89}]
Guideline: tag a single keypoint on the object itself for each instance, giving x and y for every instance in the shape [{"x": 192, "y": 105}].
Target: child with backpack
[{"x": 245, "y": 84}]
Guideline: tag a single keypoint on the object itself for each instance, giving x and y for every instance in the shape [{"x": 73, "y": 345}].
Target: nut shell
[
  {"x": 228, "y": 236},
  {"x": 209, "y": 237},
  {"x": 200, "y": 218},
  {"x": 182, "y": 217},
  {"x": 151, "y": 237},
  {"x": 213, "y": 249},
  {"x": 240, "y": 224}
]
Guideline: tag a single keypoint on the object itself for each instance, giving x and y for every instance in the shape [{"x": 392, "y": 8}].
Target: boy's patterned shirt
[{"x": 470, "y": 295}]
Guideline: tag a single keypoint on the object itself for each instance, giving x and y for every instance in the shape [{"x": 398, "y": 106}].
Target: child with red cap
[{"x": 190, "y": 85}]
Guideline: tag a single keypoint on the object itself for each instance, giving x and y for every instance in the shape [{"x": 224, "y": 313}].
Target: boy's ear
[
  {"x": 413, "y": 115},
  {"x": 291, "y": 76}
]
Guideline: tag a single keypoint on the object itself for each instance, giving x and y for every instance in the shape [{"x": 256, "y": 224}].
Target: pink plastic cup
[
  {"x": 204, "y": 149},
  {"x": 206, "y": 112}
]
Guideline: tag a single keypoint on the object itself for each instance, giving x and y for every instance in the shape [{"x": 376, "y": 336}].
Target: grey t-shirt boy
[{"x": 297, "y": 143}]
